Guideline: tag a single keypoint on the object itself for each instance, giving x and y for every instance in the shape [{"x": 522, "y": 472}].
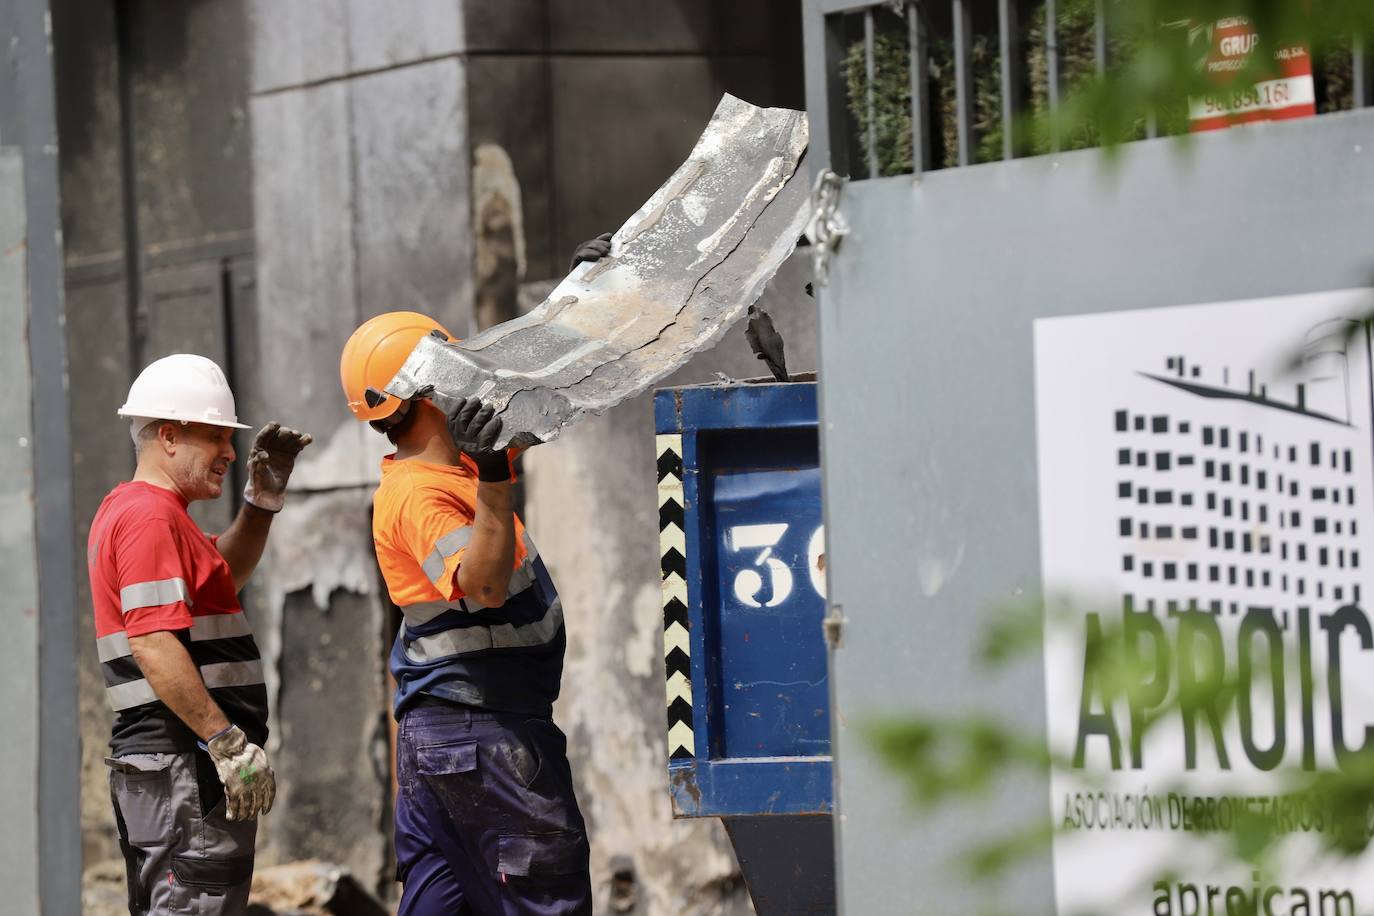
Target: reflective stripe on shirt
[
  {"x": 214, "y": 626},
  {"x": 424, "y": 611},
  {"x": 461, "y": 640},
  {"x": 445, "y": 547},
  {"x": 521, "y": 579},
  {"x": 116, "y": 645},
  {"x": 232, "y": 674},
  {"x": 130, "y": 694},
  {"x": 220, "y": 626},
  {"x": 221, "y": 674},
  {"x": 153, "y": 594}
]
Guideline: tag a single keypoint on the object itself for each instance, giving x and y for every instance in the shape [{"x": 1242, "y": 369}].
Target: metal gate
[{"x": 928, "y": 385}]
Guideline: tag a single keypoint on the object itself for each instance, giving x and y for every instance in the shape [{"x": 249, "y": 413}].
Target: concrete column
[
  {"x": 40, "y": 847},
  {"x": 361, "y": 203}
]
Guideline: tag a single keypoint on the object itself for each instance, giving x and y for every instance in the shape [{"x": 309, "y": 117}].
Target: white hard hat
[{"x": 182, "y": 387}]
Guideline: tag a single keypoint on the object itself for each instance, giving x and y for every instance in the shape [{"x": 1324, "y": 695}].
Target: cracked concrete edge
[{"x": 676, "y": 279}]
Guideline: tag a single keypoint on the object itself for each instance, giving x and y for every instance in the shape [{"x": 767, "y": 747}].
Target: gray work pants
[{"x": 180, "y": 853}]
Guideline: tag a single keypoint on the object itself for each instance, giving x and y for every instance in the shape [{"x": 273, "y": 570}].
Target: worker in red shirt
[
  {"x": 188, "y": 775},
  {"x": 487, "y": 821}
]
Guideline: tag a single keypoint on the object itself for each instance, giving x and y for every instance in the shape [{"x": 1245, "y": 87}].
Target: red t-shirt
[{"x": 152, "y": 569}]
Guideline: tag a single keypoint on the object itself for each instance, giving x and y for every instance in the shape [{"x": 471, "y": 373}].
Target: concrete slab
[{"x": 680, "y": 272}]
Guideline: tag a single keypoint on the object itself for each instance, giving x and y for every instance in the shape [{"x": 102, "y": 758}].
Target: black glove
[
  {"x": 475, "y": 428},
  {"x": 592, "y": 250},
  {"x": 269, "y": 465}
]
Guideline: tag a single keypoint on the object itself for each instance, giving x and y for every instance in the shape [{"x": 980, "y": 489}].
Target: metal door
[{"x": 929, "y": 424}]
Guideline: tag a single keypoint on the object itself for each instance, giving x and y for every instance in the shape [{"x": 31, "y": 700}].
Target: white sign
[{"x": 1206, "y": 481}]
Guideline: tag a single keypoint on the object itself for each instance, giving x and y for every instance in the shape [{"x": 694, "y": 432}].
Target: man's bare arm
[
  {"x": 489, "y": 560},
  {"x": 242, "y": 543},
  {"x": 175, "y": 679}
]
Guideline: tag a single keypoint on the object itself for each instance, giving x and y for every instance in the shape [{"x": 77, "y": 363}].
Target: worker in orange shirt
[{"x": 487, "y": 821}]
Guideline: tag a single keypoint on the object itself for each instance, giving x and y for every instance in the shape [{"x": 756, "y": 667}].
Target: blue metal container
[{"x": 743, "y": 590}]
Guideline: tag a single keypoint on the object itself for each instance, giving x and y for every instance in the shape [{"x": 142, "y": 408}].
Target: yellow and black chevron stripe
[{"x": 677, "y": 645}]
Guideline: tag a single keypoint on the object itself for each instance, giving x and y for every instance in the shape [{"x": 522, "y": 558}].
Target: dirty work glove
[
  {"x": 269, "y": 465},
  {"x": 475, "y": 429},
  {"x": 592, "y": 250},
  {"x": 250, "y": 786}
]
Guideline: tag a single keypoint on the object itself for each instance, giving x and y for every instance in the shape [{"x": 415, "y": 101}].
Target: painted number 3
[{"x": 749, "y": 583}]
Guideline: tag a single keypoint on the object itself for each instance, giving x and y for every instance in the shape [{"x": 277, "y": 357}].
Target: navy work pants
[{"x": 487, "y": 823}]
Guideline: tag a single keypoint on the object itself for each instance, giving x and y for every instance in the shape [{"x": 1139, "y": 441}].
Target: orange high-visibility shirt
[
  {"x": 421, "y": 521},
  {"x": 451, "y": 646}
]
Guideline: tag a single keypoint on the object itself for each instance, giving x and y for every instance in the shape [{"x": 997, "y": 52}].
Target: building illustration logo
[
  {"x": 1232, "y": 515},
  {"x": 1205, "y": 508}
]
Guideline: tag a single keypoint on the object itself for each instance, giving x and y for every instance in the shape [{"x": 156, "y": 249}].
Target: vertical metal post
[
  {"x": 1100, "y": 37},
  {"x": 920, "y": 89},
  {"x": 1359, "y": 60},
  {"x": 1008, "y": 32},
  {"x": 1052, "y": 69},
  {"x": 963, "y": 79},
  {"x": 826, "y": 100},
  {"x": 41, "y": 844},
  {"x": 870, "y": 76}
]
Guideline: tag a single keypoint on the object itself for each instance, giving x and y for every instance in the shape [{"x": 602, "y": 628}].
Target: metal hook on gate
[{"x": 828, "y": 225}]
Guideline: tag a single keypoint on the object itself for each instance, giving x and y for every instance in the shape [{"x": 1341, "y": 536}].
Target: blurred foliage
[
  {"x": 1154, "y": 50},
  {"x": 891, "y": 121}
]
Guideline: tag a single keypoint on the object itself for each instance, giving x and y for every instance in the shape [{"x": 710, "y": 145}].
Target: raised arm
[
  {"x": 243, "y": 542},
  {"x": 490, "y": 557},
  {"x": 269, "y": 468}
]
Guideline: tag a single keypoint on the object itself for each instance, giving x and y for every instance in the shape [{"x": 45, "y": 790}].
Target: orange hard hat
[{"x": 373, "y": 356}]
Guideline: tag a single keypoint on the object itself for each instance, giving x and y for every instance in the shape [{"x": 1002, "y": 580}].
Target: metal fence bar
[
  {"x": 963, "y": 78},
  {"x": 1052, "y": 69},
  {"x": 1359, "y": 60},
  {"x": 918, "y": 43},
  {"x": 870, "y": 107},
  {"x": 1100, "y": 37},
  {"x": 1008, "y": 32}
]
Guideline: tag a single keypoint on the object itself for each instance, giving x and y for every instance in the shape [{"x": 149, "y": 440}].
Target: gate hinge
[
  {"x": 828, "y": 225},
  {"x": 833, "y": 626}
]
